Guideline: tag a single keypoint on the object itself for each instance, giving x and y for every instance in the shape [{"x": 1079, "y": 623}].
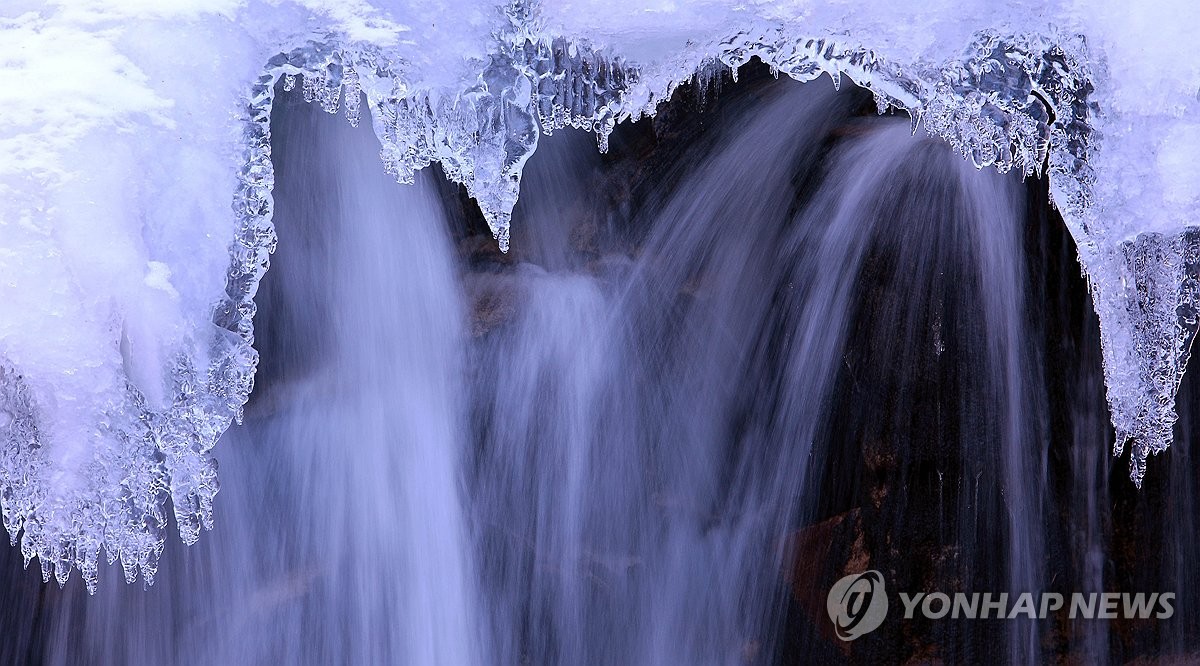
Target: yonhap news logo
[{"x": 857, "y": 604}]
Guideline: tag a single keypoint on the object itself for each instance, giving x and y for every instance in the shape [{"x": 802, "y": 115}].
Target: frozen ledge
[{"x": 94, "y": 472}]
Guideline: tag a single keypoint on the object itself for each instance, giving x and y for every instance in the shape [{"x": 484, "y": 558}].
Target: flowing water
[{"x": 807, "y": 342}]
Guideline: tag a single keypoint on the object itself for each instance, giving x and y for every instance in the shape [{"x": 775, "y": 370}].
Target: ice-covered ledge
[{"x": 125, "y": 331}]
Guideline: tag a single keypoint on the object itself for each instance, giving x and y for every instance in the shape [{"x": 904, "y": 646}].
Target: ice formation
[{"x": 127, "y": 282}]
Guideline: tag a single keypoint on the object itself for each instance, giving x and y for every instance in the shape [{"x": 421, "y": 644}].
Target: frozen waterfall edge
[{"x": 1021, "y": 102}]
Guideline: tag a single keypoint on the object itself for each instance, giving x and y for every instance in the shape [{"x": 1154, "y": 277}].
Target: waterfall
[
  {"x": 369, "y": 429},
  {"x": 796, "y": 343}
]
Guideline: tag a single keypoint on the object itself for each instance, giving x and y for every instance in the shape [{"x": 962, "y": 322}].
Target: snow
[{"x": 131, "y": 126}]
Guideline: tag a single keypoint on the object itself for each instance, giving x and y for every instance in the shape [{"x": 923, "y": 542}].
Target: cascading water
[
  {"x": 369, "y": 426},
  {"x": 798, "y": 347},
  {"x": 684, "y": 455},
  {"x": 344, "y": 537}
]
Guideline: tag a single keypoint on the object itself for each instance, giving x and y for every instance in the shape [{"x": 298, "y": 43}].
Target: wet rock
[
  {"x": 493, "y": 302},
  {"x": 816, "y": 556},
  {"x": 481, "y": 252},
  {"x": 585, "y": 238}
]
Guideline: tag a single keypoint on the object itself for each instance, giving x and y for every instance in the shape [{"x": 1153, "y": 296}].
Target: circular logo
[{"x": 857, "y": 604}]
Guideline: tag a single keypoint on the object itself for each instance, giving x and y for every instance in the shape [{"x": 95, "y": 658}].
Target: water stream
[{"x": 807, "y": 342}]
